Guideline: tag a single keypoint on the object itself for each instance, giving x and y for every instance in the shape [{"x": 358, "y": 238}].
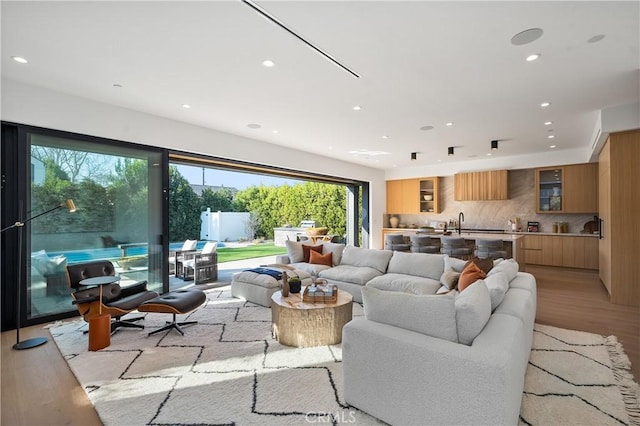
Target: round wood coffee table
[{"x": 300, "y": 324}]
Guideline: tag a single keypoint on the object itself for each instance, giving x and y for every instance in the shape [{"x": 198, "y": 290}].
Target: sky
[{"x": 238, "y": 180}]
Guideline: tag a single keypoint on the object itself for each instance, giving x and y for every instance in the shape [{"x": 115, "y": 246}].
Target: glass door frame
[{"x": 16, "y": 165}]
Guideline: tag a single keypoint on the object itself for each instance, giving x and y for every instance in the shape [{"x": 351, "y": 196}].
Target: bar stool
[
  {"x": 422, "y": 244},
  {"x": 395, "y": 242},
  {"x": 455, "y": 247},
  {"x": 490, "y": 248}
]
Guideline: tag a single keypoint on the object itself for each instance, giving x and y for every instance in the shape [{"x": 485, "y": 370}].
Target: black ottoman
[{"x": 174, "y": 302}]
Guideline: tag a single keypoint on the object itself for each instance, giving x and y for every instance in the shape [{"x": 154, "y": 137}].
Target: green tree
[
  {"x": 221, "y": 200},
  {"x": 128, "y": 194},
  {"x": 184, "y": 208},
  {"x": 275, "y": 206}
]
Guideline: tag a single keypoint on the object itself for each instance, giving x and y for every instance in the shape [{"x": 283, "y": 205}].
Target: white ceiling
[{"x": 421, "y": 64}]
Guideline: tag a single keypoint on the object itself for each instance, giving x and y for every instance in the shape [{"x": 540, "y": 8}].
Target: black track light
[
  {"x": 414, "y": 155},
  {"x": 450, "y": 151},
  {"x": 494, "y": 145}
]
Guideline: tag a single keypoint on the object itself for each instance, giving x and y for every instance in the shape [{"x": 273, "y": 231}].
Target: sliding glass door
[{"x": 117, "y": 190}]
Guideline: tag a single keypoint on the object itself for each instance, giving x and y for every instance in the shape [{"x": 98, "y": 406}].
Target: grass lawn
[{"x": 226, "y": 254}]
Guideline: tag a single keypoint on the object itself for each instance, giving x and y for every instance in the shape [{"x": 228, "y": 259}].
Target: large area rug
[{"x": 228, "y": 369}]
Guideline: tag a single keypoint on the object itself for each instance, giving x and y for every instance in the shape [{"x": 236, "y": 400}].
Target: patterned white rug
[{"x": 228, "y": 369}]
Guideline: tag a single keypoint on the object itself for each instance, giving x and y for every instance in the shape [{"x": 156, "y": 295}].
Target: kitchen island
[{"x": 511, "y": 241}]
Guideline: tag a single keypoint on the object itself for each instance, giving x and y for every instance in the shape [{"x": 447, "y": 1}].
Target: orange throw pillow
[
  {"x": 307, "y": 249},
  {"x": 470, "y": 274},
  {"x": 321, "y": 259}
]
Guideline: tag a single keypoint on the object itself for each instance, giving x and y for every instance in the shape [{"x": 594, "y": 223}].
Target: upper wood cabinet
[
  {"x": 490, "y": 185},
  {"x": 410, "y": 196},
  {"x": 567, "y": 189}
]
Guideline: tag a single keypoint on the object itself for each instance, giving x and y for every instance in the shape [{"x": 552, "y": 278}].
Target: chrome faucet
[{"x": 460, "y": 220}]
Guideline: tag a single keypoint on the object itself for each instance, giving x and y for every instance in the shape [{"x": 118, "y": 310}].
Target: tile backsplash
[{"x": 496, "y": 214}]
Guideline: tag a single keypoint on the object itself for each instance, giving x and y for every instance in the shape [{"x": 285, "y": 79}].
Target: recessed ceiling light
[
  {"x": 596, "y": 38},
  {"x": 488, "y": 154},
  {"x": 533, "y": 57},
  {"x": 268, "y": 63},
  {"x": 385, "y": 137},
  {"x": 449, "y": 123},
  {"x": 19, "y": 59},
  {"x": 548, "y": 123},
  {"x": 253, "y": 126},
  {"x": 275, "y": 132},
  {"x": 552, "y": 146},
  {"x": 426, "y": 128},
  {"x": 526, "y": 36},
  {"x": 186, "y": 106},
  {"x": 357, "y": 108},
  {"x": 551, "y": 136},
  {"x": 545, "y": 104}
]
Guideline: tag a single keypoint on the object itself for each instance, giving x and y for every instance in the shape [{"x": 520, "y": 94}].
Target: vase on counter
[{"x": 393, "y": 221}]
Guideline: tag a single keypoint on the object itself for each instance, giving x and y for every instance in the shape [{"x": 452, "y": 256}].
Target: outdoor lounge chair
[
  {"x": 201, "y": 266},
  {"x": 176, "y": 256}
]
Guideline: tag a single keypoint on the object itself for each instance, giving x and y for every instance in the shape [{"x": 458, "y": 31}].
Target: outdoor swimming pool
[{"x": 77, "y": 256}]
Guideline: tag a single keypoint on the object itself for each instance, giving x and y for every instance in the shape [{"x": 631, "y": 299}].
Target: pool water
[{"x": 77, "y": 256}]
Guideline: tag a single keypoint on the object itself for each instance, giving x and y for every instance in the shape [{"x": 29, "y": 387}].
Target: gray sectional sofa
[{"x": 419, "y": 358}]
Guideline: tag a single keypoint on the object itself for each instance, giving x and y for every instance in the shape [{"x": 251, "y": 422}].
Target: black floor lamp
[{"x": 36, "y": 341}]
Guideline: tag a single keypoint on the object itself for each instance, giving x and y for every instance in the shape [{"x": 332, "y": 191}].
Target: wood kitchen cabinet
[
  {"x": 619, "y": 203},
  {"x": 411, "y": 196},
  {"x": 489, "y": 185},
  {"x": 567, "y": 189},
  {"x": 556, "y": 250}
]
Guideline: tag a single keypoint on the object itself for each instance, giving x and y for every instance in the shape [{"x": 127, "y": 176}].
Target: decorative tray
[{"x": 320, "y": 294}]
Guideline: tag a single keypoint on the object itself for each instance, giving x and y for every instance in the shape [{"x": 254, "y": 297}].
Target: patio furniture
[
  {"x": 176, "y": 256},
  {"x": 201, "y": 266}
]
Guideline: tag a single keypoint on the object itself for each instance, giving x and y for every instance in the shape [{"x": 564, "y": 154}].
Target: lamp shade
[{"x": 70, "y": 205}]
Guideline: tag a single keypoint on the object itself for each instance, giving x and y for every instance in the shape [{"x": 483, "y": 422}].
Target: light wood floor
[{"x": 39, "y": 389}]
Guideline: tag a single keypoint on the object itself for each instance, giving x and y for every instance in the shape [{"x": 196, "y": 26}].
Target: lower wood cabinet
[{"x": 567, "y": 251}]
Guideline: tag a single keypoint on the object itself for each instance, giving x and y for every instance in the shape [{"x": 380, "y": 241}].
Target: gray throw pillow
[{"x": 450, "y": 278}]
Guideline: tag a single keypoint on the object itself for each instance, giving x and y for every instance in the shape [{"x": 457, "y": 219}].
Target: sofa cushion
[
  {"x": 306, "y": 249},
  {"x": 470, "y": 274},
  {"x": 418, "y": 264},
  {"x": 336, "y": 249},
  {"x": 509, "y": 266},
  {"x": 473, "y": 309},
  {"x": 427, "y": 314},
  {"x": 498, "y": 284},
  {"x": 311, "y": 268},
  {"x": 518, "y": 303},
  {"x": 405, "y": 283},
  {"x": 322, "y": 259},
  {"x": 351, "y": 274},
  {"x": 358, "y": 256}
]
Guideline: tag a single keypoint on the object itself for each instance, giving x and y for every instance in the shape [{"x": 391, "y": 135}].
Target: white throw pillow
[
  {"x": 336, "y": 249},
  {"x": 473, "y": 309},
  {"x": 498, "y": 284},
  {"x": 427, "y": 314},
  {"x": 454, "y": 263},
  {"x": 294, "y": 251},
  {"x": 509, "y": 266}
]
